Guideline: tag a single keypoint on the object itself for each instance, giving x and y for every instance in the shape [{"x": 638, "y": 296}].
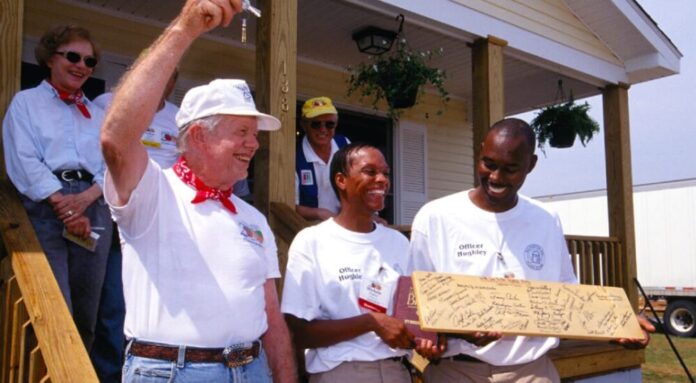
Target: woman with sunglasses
[{"x": 51, "y": 143}]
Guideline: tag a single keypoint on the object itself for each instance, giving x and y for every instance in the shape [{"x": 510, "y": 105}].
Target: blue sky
[{"x": 663, "y": 136}]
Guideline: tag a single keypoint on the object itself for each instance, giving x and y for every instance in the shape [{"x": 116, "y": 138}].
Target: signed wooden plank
[{"x": 459, "y": 304}]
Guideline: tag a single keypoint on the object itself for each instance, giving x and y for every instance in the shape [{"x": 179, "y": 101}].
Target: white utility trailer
[{"x": 665, "y": 226}]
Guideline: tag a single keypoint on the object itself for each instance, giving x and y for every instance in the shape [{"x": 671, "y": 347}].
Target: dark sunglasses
[
  {"x": 74, "y": 57},
  {"x": 327, "y": 124}
]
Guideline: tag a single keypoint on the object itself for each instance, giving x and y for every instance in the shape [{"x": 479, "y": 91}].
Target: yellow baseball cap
[{"x": 317, "y": 106}]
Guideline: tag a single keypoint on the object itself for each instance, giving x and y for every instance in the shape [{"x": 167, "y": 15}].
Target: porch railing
[
  {"x": 597, "y": 260},
  {"x": 38, "y": 338}
]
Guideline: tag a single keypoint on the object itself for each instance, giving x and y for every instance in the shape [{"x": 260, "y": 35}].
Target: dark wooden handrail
[
  {"x": 39, "y": 340},
  {"x": 286, "y": 222}
]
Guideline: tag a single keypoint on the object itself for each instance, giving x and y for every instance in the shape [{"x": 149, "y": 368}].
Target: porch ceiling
[{"x": 324, "y": 37}]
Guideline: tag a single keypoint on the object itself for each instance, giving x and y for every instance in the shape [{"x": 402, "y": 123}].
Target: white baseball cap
[{"x": 226, "y": 96}]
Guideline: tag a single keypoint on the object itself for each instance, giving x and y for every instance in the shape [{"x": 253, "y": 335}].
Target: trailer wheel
[{"x": 680, "y": 318}]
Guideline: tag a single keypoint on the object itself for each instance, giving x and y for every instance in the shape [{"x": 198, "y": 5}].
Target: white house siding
[
  {"x": 450, "y": 153},
  {"x": 665, "y": 227}
]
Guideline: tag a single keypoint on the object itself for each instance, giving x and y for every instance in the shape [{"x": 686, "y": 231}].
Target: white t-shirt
[
  {"x": 192, "y": 274},
  {"x": 326, "y": 264},
  {"x": 322, "y": 170},
  {"x": 161, "y": 144},
  {"x": 160, "y": 137},
  {"x": 453, "y": 235}
]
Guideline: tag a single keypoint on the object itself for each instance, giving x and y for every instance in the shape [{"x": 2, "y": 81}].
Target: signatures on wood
[{"x": 459, "y": 303}]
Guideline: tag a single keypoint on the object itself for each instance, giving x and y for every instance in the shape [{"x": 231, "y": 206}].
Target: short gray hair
[{"x": 209, "y": 123}]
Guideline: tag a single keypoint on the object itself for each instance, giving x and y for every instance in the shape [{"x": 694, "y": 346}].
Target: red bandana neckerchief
[
  {"x": 75, "y": 98},
  {"x": 203, "y": 191}
]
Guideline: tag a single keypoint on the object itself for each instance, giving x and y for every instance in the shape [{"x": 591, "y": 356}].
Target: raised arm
[{"x": 138, "y": 95}]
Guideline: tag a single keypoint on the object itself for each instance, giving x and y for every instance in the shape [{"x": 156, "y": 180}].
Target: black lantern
[{"x": 375, "y": 41}]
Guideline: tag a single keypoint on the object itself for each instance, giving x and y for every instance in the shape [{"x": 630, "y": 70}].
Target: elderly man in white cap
[{"x": 198, "y": 262}]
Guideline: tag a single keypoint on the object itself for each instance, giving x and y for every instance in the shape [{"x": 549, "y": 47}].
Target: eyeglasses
[
  {"x": 74, "y": 57},
  {"x": 327, "y": 124}
]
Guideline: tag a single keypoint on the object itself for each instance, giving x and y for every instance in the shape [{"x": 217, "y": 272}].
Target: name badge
[
  {"x": 376, "y": 291},
  {"x": 306, "y": 177},
  {"x": 152, "y": 137}
]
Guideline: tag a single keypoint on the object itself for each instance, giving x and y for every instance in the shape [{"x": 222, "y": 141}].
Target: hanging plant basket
[
  {"x": 397, "y": 77},
  {"x": 562, "y": 136},
  {"x": 559, "y": 124},
  {"x": 404, "y": 99}
]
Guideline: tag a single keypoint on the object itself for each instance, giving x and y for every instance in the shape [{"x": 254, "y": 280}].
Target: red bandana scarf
[
  {"x": 203, "y": 191},
  {"x": 75, "y": 98}
]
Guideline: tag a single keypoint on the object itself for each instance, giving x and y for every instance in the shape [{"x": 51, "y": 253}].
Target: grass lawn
[{"x": 662, "y": 365}]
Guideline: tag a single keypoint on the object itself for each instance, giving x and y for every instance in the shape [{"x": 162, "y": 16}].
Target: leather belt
[
  {"x": 74, "y": 175},
  {"x": 466, "y": 358},
  {"x": 232, "y": 356},
  {"x": 402, "y": 358}
]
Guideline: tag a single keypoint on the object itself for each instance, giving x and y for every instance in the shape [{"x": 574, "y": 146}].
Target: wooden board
[{"x": 459, "y": 304}]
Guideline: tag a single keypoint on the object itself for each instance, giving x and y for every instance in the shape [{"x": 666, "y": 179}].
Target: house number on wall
[{"x": 284, "y": 88}]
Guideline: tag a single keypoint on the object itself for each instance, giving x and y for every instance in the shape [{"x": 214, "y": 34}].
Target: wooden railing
[
  {"x": 597, "y": 260},
  {"x": 286, "y": 222},
  {"x": 39, "y": 341}
]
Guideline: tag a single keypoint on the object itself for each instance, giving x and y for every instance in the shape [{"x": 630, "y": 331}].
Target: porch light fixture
[{"x": 374, "y": 40}]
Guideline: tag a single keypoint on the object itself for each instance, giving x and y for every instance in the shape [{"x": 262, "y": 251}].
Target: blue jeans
[
  {"x": 145, "y": 370},
  {"x": 109, "y": 341},
  {"x": 79, "y": 272}
]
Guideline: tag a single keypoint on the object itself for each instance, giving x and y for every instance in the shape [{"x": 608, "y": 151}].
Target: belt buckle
[
  {"x": 237, "y": 355},
  {"x": 65, "y": 175}
]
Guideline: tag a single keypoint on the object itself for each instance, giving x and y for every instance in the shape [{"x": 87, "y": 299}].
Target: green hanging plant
[
  {"x": 559, "y": 124},
  {"x": 398, "y": 77}
]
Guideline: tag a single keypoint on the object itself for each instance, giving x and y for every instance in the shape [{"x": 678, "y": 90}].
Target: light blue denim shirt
[{"x": 42, "y": 134}]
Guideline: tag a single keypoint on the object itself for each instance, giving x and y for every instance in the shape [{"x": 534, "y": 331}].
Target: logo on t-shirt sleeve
[{"x": 534, "y": 256}]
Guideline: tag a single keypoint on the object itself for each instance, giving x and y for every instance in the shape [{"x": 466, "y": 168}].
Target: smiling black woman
[{"x": 341, "y": 277}]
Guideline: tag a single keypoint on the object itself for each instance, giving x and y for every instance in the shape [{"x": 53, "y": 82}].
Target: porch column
[
  {"x": 276, "y": 87},
  {"x": 617, "y": 145},
  {"x": 11, "y": 19},
  {"x": 488, "y": 89}
]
